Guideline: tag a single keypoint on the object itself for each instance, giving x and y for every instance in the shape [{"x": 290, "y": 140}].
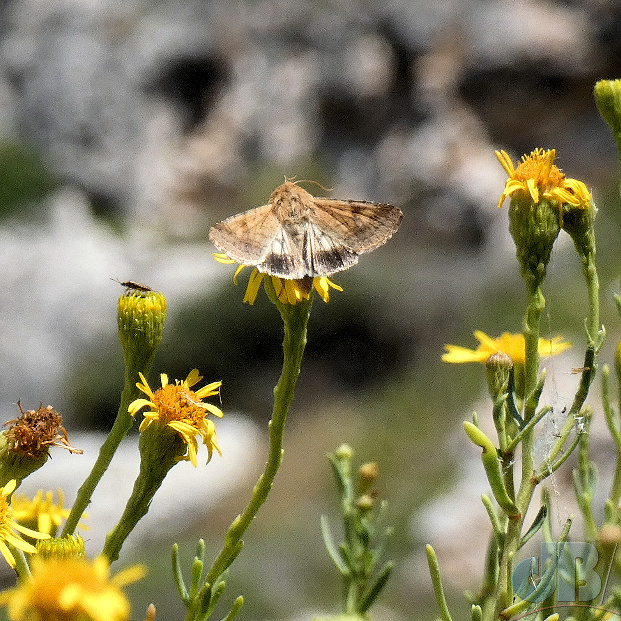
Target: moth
[{"x": 298, "y": 235}]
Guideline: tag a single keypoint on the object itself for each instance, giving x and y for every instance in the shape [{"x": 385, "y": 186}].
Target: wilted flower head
[{"x": 34, "y": 431}]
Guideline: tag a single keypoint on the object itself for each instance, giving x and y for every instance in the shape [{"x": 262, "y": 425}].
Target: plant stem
[
  {"x": 295, "y": 318},
  {"x": 536, "y": 304},
  {"x": 121, "y": 426}
]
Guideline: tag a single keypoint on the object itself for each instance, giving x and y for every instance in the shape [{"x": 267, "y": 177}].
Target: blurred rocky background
[{"x": 128, "y": 128}]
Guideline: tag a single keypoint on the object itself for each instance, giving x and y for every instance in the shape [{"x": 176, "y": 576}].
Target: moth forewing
[
  {"x": 363, "y": 225},
  {"x": 247, "y": 237}
]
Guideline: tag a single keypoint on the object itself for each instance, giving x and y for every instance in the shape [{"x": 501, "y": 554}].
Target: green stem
[
  {"x": 22, "y": 569},
  {"x": 536, "y": 304},
  {"x": 160, "y": 449},
  {"x": 592, "y": 282},
  {"x": 615, "y": 490},
  {"x": 295, "y": 318},
  {"x": 121, "y": 426}
]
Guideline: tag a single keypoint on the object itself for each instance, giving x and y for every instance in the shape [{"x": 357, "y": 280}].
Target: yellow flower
[
  {"x": 182, "y": 409},
  {"x": 511, "y": 344},
  {"x": 538, "y": 176},
  {"x": 71, "y": 589},
  {"x": 288, "y": 291},
  {"x": 7, "y": 525},
  {"x": 41, "y": 511}
]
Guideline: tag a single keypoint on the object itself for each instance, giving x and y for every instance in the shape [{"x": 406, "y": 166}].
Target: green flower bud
[
  {"x": 498, "y": 367},
  {"x": 70, "y": 546},
  {"x": 141, "y": 316},
  {"x": 608, "y": 99},
  {"x": 534, "y": 228}
]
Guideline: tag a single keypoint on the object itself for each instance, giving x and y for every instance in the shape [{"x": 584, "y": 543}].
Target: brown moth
[{"x": 297, "y": 235}]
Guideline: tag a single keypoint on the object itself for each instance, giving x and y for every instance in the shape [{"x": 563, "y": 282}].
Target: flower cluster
[{"x": 538, "y": 177}]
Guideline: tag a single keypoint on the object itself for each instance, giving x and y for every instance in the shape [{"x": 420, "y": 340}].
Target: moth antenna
[{"x": 315, "y": 182}]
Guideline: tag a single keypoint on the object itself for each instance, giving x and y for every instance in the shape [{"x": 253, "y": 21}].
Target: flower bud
[
  {"x": 367, "y": 475},
  {"x": 141, "y": 316},
  {"x": 70, "y": 546},
  {"x": 608, "y": 99},
  {"x": 579, "y": 220},
  {"x": 498, "y": 367}
]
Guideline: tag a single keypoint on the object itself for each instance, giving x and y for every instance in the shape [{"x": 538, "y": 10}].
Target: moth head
[{"x": 290, "y": 201}]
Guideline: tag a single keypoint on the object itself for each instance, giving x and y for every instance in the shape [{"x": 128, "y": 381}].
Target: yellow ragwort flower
[
  {"x": 182, "y": 409},
  {"x": 71, "y": 589},
  {"x": 8, "y": 525},
  {"x": 42, "y": 511},
  {"x": 511, "y": 344},
  {"x": 288, "y": 291},
  {"x": 538, "y": 176}
]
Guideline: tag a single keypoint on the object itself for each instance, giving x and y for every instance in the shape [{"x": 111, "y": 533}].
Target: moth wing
[
  {"x": 248, "y": 236},
  {"x": 284, "y": 257},
  {"x": 325, "y": 254},
  {"x": 360, "y": 226}
]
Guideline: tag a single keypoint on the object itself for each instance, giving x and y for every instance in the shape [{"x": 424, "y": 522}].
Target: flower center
[
  {"x": 179, "y": 403},
  {"x": 539, "y": 166}
]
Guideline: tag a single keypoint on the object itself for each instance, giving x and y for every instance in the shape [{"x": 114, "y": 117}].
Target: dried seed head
[{"x": 34, "y": 431}]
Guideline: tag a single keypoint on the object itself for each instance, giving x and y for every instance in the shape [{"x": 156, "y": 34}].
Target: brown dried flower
[{"x": 35, "y": 430}]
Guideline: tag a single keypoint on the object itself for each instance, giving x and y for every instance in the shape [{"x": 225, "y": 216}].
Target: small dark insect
[{"x": 132, "y": 284}]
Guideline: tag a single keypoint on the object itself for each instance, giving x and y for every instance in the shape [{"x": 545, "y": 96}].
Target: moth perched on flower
[{"x": 297, "y": 235}]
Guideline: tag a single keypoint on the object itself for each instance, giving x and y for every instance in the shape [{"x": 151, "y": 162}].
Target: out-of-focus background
[{"x": 128, "y": 128}]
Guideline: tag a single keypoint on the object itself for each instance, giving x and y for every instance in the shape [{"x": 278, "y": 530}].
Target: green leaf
[
  {"x": 535, "y": 526},
  {"x": 331, "y": 548},
  {"x": 371, "y": 595}
]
